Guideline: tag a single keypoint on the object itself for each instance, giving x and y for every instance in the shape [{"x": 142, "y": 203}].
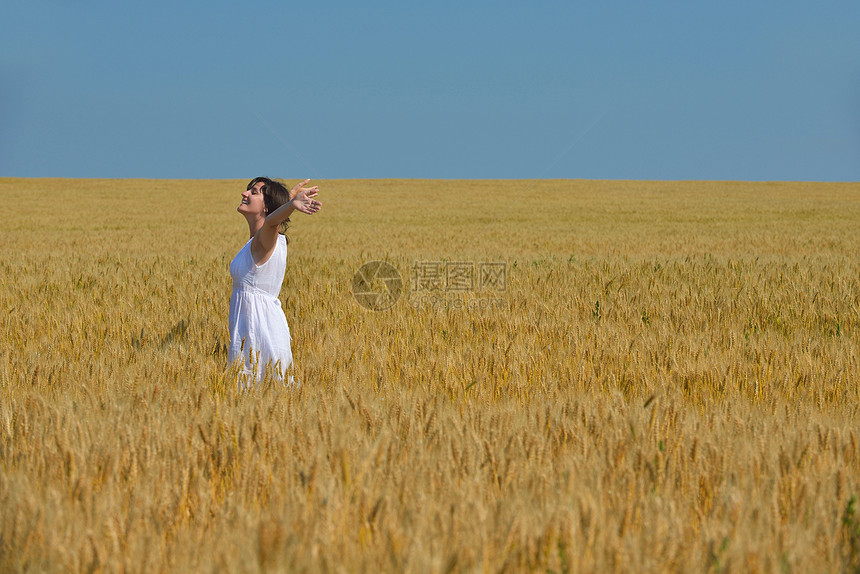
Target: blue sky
[{"x": 612, "y": 90}]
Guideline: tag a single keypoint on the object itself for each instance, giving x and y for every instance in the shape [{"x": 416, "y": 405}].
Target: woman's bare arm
[{"x": 303, "y": 200}]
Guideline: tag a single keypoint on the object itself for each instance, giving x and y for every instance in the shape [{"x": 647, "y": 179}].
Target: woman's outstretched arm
[{"x": 303, "y": 200}]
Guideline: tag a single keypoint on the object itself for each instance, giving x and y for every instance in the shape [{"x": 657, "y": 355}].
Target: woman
[{"x": 259, "y": 334}]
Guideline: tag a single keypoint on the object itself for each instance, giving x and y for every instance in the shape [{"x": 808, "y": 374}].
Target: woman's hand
[
  {"x": 304, "y": 201},
  {"x": 300, "y": 186}
]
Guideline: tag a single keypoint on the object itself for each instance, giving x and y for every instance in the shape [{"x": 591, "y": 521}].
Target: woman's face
[{"x": 252, "y": 201}]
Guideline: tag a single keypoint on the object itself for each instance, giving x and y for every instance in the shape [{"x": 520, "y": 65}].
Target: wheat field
[{"x": 665, "y": 381}]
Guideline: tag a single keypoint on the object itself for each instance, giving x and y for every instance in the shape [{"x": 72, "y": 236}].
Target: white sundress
[{"x": 259, "y": 334}]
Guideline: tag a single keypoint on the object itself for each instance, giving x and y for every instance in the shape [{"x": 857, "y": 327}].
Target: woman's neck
[{"x": 254, "y": 225}]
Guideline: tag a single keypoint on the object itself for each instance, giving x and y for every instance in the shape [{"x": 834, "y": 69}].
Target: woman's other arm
[{"x": 303, "y": 200}]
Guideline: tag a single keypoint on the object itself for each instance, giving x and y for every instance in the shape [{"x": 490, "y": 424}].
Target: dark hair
[{"x": 275, "y": 194}]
